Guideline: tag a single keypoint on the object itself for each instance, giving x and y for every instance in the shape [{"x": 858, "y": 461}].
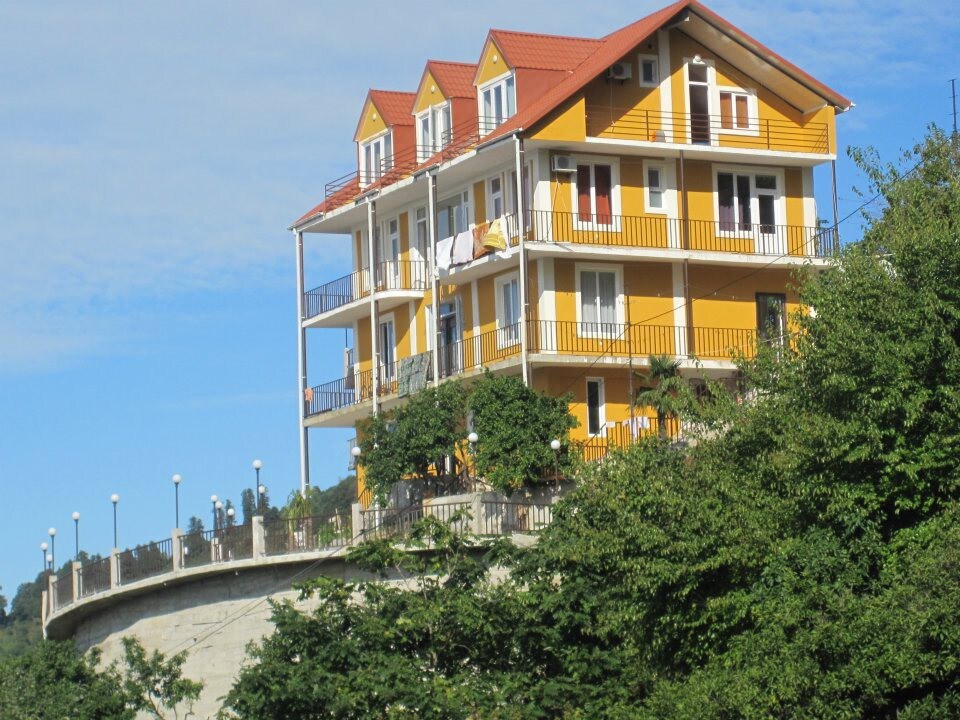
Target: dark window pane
[
  {"x": 602, "y": 182},
  {"x": 584, "y": 210},
  {"x": 743, "y": 201},
  {"x": 725, "y": 201}
]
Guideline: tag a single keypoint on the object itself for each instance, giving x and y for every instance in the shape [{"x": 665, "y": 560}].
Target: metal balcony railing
[
  {"x": 63, "y": 588},
  {"x": 94, "y": 577},
  {"x": 145, "y": 561},
  {"x": 706, "y": 130},
  {"x": 291, "y": 535},
  {"x": 390, "y": 275},
  {"x": 668, "y": 233}
]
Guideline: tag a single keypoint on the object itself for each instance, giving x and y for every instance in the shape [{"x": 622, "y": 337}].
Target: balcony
[
  {"x": 550, "y": 342},
  {"x": 668, "y": 234},
  {"x": 701, "y": 130},
  {"x": 339, "y": 302}
]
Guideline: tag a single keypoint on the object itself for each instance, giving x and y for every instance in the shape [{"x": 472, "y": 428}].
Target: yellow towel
[{"x": 496, "y": 238}]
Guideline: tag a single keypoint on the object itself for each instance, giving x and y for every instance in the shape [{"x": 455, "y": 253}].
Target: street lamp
[
  {"x": 52, "y": 532},
  {"x": 472, "y": 439},
  {"x": 213, "y": 501},
  {"x": 50, "y": 561},
  {"x": 43, "y": 550},
  {"x": 262, "y": 493},
  {"x": 76, "y": 535},
  {"x": 230, "y": 513},
  {"x": 555, "y": 446},
  {"x": 176, "y": 497},
  {"x": 115, "y": 499}
]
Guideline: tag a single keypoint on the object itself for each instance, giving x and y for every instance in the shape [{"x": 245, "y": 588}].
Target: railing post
[
  {"x": 44, "y": 610},
  {"x": 356, "y": 521},
  {"x": 258, "y": 536},
  {"x": 75, "y": 570},
  {"x": 51, "y": 591},
  {"x": 115, "y": 568},
  {"x": 176, "y": 548},
  {"x": 214, "y": 549},
  {"x": 476, "y": 510}
]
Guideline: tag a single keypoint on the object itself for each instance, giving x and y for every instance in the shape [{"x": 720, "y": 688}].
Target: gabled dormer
[
  {"x": 516, "y": 68},
  {"x": 445, "y": 107},
  {"x": 384, "y": 134}
]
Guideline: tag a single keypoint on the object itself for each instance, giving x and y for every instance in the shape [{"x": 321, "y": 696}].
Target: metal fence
[
  {"x": 195, "y": 548},
  {"x": 389, "y": 522},
  {"x": 504, "y": 517},
  {"x": 234, "y": 543},
  {"x": 292, "y": 535},
  {"x": 145, "y": 561},
  {"x": 63, "y": 588},
  {"x": 94, "y": 577}
]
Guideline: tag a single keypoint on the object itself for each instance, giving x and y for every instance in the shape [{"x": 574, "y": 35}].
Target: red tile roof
[
  {"x": 454, "y": 78},
  {"x": 584, "y": 59},
  {"x": 395, "y": 107},
  {"x": 543, "y": 52}
]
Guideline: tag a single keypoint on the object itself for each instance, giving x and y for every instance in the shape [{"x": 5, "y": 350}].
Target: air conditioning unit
[
  {"x": 620, "y": 71},
  {"x": 563, "y": 163}
]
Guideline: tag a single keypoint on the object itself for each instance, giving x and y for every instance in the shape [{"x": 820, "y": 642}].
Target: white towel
[
  {"x": 463, "y": 247},
  {"x": 443, "y": 253}
]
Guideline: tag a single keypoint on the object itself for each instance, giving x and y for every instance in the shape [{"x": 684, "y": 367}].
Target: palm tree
[{"x": 663, "y": 391}]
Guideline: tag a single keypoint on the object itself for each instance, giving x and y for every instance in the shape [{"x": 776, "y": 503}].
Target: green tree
[
  {"x": 154, "y": 684},
  {"x": 666, "y": 392}
]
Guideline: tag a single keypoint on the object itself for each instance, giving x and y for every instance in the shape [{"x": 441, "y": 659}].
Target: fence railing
[
  {"x": 145, "y": 561},
  {"x": 336, "y": 293},
  {"x": 62, "y": 585},
  {"x": 390, "y": 522},
  {"x": 290, "y": 535},
  {"x": 94, "y": 577},
  {"x": 504, "y": 517},
  {"x": 645, "y": 231},
  {"x": 195, "y": 548},
  {"x": 234, "y": 542},
  {"x": 723, "y": 130}
]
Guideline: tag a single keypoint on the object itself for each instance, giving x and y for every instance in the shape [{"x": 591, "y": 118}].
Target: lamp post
[
  {"x": 472, "y": 439},
  {"x": 230, "y": 513},
  {"x": 76, "y": 535},
  {"x": 257, "y": 464},
  {"x": 115, "y": 499},
  {"x": 50, "y": 561},
  {"x": 261, "y": 494},
  {"x": 52, "y": 532},
  {"x": 213, "y": 501},
  {"x": 43, "y": 551},
  {"x": 176, "y": 498},
  {"x": 555, "y": 446}
]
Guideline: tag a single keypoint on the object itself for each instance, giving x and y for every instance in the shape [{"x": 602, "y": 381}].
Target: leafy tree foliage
[
  {"x": 515, "y": 425},
  {"x": 802, "y": 563}
]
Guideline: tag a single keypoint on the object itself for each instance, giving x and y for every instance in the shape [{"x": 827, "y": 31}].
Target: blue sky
[{"x": 152, "y": 155}]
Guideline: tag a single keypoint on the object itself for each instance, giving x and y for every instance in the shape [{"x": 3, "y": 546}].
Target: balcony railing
[
  {"x": 291, "y": 535},
  {"x": 94, "y": 577},
  {"x": 63, "y": 588},
  {"x": 706, "y": 130},
  {"x": 390, "y": 275},
  {"x": 145, "y": 561},
  {"x": 669, "y": 233}
]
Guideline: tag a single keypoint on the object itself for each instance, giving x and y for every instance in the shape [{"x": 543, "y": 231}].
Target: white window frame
[
  {"x": 419, "y": 251},
  {"x": 506, "y": 81},
  {"x": 464, "y": 196},
  {"x": 753, "y": 118},
  {"x": 601, "y": 406},
  {"x": 780, "y": 203},
  {"x": 663, "y": 189},
  {"x": 615, "y": 211},
  {"x": 503, "y": 195},
  {"x": 433, "y": 142},
  {"x": 386, "y": 318},
  {"x": 503, "y": 340},
  {"x": 381, "y": 139},
  {"x": 617, "y": 270},
  {"x": 713, "y": 98},
  {"x": 641, "y": 59}
]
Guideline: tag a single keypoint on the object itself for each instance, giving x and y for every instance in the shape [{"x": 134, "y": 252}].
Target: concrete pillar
[
  {"x": 114, "y": 568},
  {"x": 215, "y": 550},
  {"x": 259, "y": 537},
  {"x": 176, "y": 536},
  {"x": 356, "y": 520},
  {"x": 51, "y": 595},
  {"x": 43, "y": 611},
  {"x": 477, "y": 511},
  {"x": 75, "y": 569}
]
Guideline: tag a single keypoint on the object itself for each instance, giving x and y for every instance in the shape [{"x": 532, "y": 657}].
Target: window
[
  {"x": 738, "y": 111},
  {"x": 508, "y": 310},
  {"x": 747, "y": 202},
  {"x": 421, "y": 233},
  {"x": 376, "y": 157},
  {"x": 655, "y": 189},
  {"x": 497, "y": 103},
  {"x": 649, "y": 71},
  {"x": 699, "y": 75},
  {"x": 388, "y": 251},
  {"x": 594, "y": 193},
  {"x": 453, "y": 215},
  {"x": 596, "y": 411},
  {"x": 771, "y": 317},
  {"x": 387, "y": 348},
  {"x": 433, "y": 131},
  {"x": 598, "y": 290},
  {"x": 495, "y": 185}
]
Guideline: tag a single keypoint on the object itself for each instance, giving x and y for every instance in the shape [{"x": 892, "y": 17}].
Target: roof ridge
[
  {"x": 453, "y": 62},
  {"x": 544, "y": 35},
  {"x": 393, "y": 92}
]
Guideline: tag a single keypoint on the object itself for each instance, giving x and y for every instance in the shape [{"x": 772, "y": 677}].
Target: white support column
[
  {"x": 522, "y": 225},
  {"x": 302, "y": 365},
  {"x": 374, "y": 324},
  {"x": 434, "y": 324}
]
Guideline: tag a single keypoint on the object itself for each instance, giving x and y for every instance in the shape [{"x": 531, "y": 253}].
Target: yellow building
[{"x": 565, "y": 208}]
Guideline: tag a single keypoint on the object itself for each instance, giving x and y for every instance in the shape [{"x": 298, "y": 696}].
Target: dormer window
[
  {"x": 497, "y": 102},
  {"x": 376, "y": 158},
  {"x": 433, "y": 130}
]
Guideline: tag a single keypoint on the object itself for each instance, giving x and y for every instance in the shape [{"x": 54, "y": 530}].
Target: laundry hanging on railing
[
  {"x": 496, "y": 237},
  {"x": 444, "y": 249},
  {"x": 479, "y": 233},
  {"x": 462, "y": 248}
]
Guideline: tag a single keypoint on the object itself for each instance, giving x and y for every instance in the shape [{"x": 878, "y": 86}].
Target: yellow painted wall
[
  {"x": 401, "y": 329},
  {"x": 361, "y": 343},
  {"x": 372, "y": 122},
  {"x": 568, "y": 123},
  {"x": 428, "y": 94},
  {"x": 479, "y": 202},
  {"x": 488, "y": 68},
  {"x": 735, "y": 305},
  {"x": 404, "y": 221}
]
